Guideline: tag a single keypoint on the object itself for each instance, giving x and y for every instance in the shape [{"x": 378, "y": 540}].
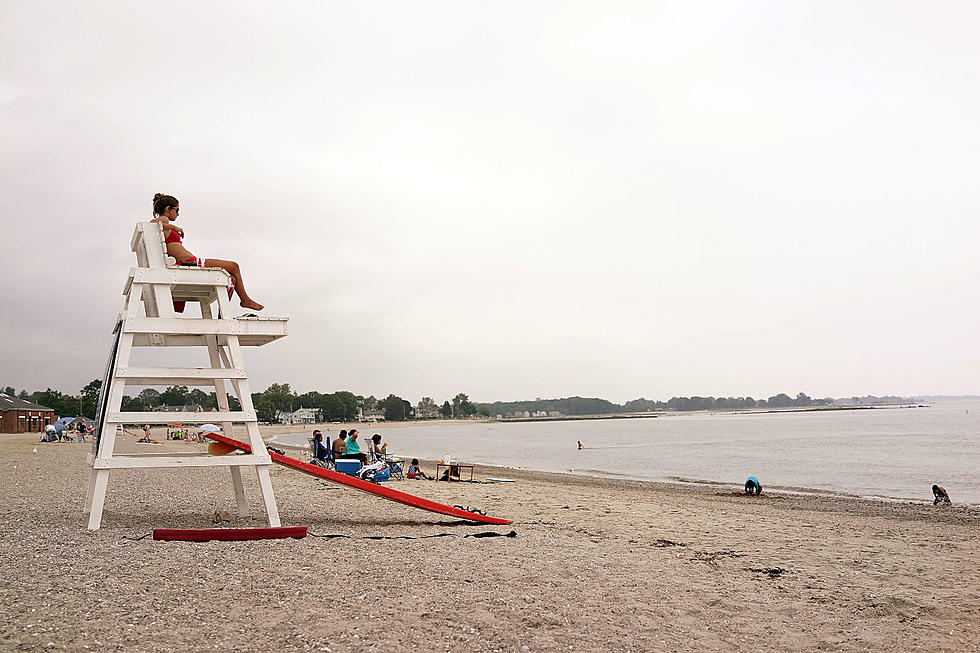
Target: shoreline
[
  {"x": 600, "y": 416},
  {"x": 671, "y": 482}
]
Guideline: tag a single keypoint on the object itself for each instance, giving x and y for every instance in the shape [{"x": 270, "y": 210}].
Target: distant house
[
  {"x": 427, "y": 413},
  {"x": 370, "y": 415},
  {"x": 299, "y": 416},
  {"x": 19, "y": 416},
  {"x": 189, "y": 408}
]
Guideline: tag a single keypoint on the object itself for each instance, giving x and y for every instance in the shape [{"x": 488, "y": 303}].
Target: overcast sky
[{"x": 512, "y": 200}]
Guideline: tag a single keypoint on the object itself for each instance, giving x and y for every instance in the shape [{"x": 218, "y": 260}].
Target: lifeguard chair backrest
[{"x": 151, "y": 252}]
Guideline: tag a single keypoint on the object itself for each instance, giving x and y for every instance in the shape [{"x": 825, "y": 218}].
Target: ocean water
[{"x": 884, "y": 452}]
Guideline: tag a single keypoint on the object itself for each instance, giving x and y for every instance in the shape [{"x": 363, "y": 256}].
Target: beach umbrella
[
  {"x": 176, "y": 426},
  {"x": 210, "y": 428}
]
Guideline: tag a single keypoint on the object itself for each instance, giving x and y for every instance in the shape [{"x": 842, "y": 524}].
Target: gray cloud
[{"x": 513, "y": 200}]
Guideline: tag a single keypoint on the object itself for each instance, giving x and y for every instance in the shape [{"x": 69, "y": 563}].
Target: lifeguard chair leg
[
  {"x": 232, "y": 358},
  {"x": 99, "y": 485},
  {"x": 91, "y": 491},
  {"x": 265, "y": 484},
  {"x": 221, "y": 393},
  {"x": 239, "y": 488}
]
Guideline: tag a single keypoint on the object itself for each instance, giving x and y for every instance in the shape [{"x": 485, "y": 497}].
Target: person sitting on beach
[
  {"x": 753, "y": 486},
  {"x": 165, "y": 210},
  {"x": 353, "y": 449},
  {"x": 941, "y": 496},
  {"x": 452, "y": 471},
  {"x": 414, "y": 471},
  {"x": 339, "y": 446},
  {"x": 320, "y": 452},
  {"x": 378, "y": 451}
]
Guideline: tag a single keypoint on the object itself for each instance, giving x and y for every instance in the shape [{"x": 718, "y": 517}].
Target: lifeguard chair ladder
[{"x": 155, "y": 284}]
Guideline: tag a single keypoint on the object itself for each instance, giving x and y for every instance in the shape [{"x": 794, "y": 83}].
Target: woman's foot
[{"x": 252, "y": 304}]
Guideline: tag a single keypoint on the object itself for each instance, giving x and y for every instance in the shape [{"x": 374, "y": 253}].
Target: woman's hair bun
[{"x": 162, "y": 201}]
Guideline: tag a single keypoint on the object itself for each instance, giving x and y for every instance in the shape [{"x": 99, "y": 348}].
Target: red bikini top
[{"x": 174, "y": 237}]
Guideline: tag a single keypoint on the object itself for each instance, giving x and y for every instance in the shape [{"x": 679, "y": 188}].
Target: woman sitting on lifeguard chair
[{"x": 165, "y": 211}]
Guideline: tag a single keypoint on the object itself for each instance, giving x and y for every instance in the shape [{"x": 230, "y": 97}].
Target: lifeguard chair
[{"x": 155, "y": 284}]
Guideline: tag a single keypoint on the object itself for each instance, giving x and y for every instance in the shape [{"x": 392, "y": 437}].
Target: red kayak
[{"x": 366, "y": 486}]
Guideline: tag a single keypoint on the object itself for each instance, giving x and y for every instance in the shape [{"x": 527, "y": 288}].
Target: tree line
[
  {"x": 596, "y": 406},
  {"x": 64, "y": 405},
  {"x": 278, "y": 397},
  {"x": 347, "y": 406}
]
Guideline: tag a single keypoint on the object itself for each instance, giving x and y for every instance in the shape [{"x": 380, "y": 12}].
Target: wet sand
[{"x": 596, "y": 564}]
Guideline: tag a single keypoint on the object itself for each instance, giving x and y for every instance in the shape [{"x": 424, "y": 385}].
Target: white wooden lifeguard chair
[{"x": 155, "y": 284}]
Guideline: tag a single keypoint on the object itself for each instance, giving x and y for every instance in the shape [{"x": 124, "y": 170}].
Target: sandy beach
[{"x": 596, "y": 565}]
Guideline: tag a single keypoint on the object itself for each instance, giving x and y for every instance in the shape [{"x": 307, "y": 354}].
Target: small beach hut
[{"x": 19, "y": 416}]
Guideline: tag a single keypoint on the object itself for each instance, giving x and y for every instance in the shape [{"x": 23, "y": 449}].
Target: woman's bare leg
[{"x": 235, "y": 271}]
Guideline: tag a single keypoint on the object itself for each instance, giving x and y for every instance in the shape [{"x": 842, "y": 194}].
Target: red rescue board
[
  {"x": 228, "y": 534},
  {"x": 366, "y": 486}
]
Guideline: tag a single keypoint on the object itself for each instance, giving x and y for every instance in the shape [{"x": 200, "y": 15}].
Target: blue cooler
[{"x": 348, "y": 466}]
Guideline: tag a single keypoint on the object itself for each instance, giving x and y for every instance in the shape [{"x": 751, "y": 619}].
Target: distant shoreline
[
  {"x": 673, "y": 413},
  {"x": 277, "y": 429}
]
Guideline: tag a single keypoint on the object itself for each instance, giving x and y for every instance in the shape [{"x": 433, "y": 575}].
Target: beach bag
[
  {"x": 368, "y": 473},
  {"x": 382, "y": 476}
]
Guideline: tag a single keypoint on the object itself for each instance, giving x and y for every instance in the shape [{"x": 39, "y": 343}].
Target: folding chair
[
  {"x": 395, "y": 464},
  {"x": 323, "y": 457}
]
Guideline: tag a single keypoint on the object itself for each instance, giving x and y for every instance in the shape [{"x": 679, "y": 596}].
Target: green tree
[
  {"x": 395, "y": 408},
  {"x": 337, "y": 406},
  {"x": 781, "y": 400},
  {"x": 277, "y": 397},
  {"x": 347, "y": 403},
  {"x": 426, "y": 407},
  {"x": 458, "y": 402},
  {"x": 309, "y": 400},
  {"x": 130, "y": 404},
  {"x": 263, "y": 408},
  {"x": 90, "y": 398},
  {"x": 201, "y": 398},
  {"x": 62, "y": 404},
  {"x": 447, "y": 410},
  {"x": 9, "y": 391},
  {"x": 175, "y": 395},
  {"x": 150, "y": 398}
]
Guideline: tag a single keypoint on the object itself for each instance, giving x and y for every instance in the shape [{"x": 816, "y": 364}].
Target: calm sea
[{"x": 883, "y": 452}]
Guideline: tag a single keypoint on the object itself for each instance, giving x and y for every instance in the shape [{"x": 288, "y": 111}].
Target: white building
[
  {"x": 423, "y": 413},
  {"x": 299, "y": 416},
  {"x": 370, "y": 415},
  {"x": 189, "y": 408}
]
